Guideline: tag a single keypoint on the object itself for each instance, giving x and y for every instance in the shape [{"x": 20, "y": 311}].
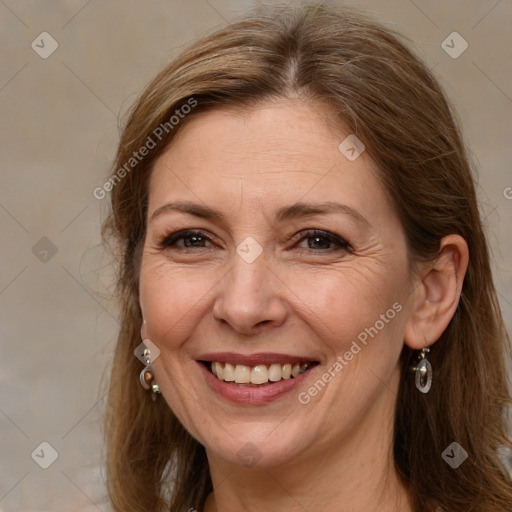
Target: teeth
[
  {"x": 219, "y": 371},
  {"x": 275, "y": 372},
  {"x": 229, "y": 372},
  {"x": 242, "y": 374},
  {"x": 260, "y": 374}
]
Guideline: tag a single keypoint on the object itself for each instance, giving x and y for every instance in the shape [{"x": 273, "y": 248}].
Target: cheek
[
  {"x": 359, "y": 317},
  {"x": 347, "y": 302},
  {"x": 172, "y": 300}
]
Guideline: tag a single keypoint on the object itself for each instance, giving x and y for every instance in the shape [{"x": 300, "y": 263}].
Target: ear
[{"x": 437, "y": 293}]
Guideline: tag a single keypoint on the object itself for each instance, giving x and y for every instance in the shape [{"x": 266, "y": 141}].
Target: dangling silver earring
[
  {"x": 423, "y": 371},
  {"x": 147, "y": 376}
]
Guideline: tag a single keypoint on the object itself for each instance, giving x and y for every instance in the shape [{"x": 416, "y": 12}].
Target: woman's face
[{"x": 271, "y": 251}]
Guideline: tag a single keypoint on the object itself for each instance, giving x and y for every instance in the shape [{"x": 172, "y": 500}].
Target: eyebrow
[{"x": 293, "y": 211}]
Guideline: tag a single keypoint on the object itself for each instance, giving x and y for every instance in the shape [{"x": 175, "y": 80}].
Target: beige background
[{"x": 58, "y": 123}]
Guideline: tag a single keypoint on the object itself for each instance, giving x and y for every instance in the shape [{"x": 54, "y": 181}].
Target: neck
[{"x": 356, "y": 475}]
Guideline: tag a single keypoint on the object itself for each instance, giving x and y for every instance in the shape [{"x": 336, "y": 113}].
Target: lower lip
[{"x": 252, "y": 395}]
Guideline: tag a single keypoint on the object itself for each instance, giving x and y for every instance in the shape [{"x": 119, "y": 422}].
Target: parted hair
[{"x": 390, "y": 99}]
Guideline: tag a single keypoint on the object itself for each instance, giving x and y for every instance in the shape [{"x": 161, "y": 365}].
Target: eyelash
[{"x": 171, "y": 239}]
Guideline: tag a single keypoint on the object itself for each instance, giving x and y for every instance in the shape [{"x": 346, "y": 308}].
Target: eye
[
  {"x": 323, "y": 241},
  {"x": 190, "y": 239},
  {"x": 317, "y": 240}
]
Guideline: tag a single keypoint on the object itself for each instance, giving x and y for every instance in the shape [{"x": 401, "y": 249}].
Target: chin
[{"x": 253, "y": 449}]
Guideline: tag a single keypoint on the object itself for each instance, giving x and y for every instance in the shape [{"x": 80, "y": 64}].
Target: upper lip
[{"x": 254, "y": 359}]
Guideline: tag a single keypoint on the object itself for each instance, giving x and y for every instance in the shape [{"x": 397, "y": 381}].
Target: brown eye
[
  {"x": 186, "y": 240},
  {"x": 323, "y": 241}
]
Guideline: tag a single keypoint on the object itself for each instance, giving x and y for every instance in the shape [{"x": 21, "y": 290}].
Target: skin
[{"x": 300, "y": 296}]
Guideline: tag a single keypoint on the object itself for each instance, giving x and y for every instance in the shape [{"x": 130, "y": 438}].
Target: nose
[{"x": 250, "y": 298}]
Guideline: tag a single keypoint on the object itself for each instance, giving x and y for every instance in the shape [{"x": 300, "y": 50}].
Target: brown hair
[{"x": 391, "y": 101}]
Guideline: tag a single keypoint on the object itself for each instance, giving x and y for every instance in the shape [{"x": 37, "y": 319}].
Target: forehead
[{"x": 273, "y": 152}]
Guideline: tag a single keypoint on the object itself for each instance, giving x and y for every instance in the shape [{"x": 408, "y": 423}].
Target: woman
[{"x": 305, "y": 282}]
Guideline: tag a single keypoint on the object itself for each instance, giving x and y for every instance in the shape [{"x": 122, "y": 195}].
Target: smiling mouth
[{"x": 259, "y": 375}]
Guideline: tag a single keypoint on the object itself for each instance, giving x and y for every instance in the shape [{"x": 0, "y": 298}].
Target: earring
[
  {"x": 147, "y": 377},
  {"x": 423, "y": 370}
]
